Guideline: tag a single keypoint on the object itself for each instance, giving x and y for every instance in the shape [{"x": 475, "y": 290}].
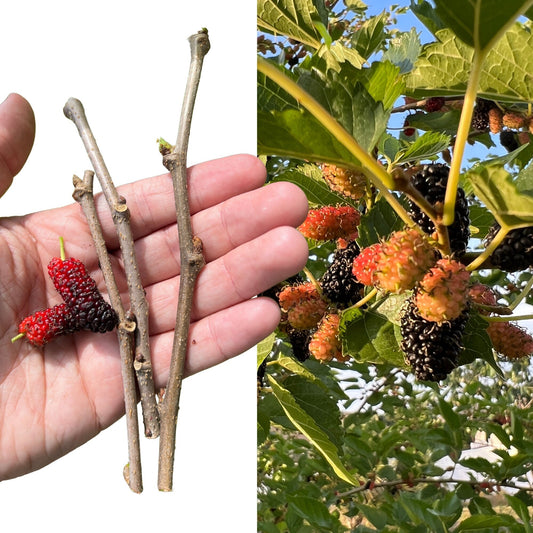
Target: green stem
[
  {"x": 314, "y": 281},
  {"x": 462, "y": 137},
  {"x": 364, "y": 300},
  {"x": 62, "y": 248},
  {"x": 376, "y": 173},
  {"x": 522, "y": 295},
  {"x": 483, "y": 256},
  {"x": 507, "y": 318}
]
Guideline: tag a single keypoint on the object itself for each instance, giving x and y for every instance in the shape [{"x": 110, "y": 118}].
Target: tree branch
[
  {"x": 83, "y": 194},
  {"x": 143, "y": 365},
  {"x": 488, "y": 484},
  {"x": 192, "y": 261}
]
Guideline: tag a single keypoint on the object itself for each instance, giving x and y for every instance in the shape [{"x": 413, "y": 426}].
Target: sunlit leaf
[
  {"x": 297, "y": 368},
  {"x": 370, "y": 35},
  {"x": 308, "y": 427},
  {"x": 372, "y": 339},
  {"x": 293, "y": 18},
  {"x": 264, "y": 348},
  {"x": 478, "y": 23},
  {"x": 336, "y": 54},
  {"x": 426, "y": 146},
  {"x": 403, "y": 51},
  {"x": 495, "y": 188},
  {"x": 444, "y": 67},
  {"x": 315, "y": 512},
  {"x": 298, "y": 134}
]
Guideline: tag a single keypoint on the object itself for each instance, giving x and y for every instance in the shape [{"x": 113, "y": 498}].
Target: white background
[{"x": 127, "y": 62}]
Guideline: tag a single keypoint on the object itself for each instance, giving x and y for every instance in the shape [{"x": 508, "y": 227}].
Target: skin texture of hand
[{"x": 55, "y": 399}]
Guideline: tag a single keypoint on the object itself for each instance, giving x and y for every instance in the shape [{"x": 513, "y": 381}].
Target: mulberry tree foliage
[{"x": 405, "y": 339}]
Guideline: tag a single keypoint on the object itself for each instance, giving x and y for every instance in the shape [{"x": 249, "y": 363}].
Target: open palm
[{"x": 55, "y": 398}]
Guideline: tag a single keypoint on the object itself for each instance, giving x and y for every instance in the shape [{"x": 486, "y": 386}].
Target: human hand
[{"x": 55, "y": 399}]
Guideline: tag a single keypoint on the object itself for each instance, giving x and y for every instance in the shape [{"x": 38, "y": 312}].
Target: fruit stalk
[
  {"x": 191, "y": 259},
  {"x": 83, "y": 194},
  {"x": 74, "y": 110}
]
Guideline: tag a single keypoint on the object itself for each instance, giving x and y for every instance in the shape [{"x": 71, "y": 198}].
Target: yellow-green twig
[
  {"x": 510, "y": 318},
  {"x": 462, "y": 137},
  {"x": 482, "y": 257},
  {"x": 525, "y": 291},
  {"x": 313, "y": 280}
]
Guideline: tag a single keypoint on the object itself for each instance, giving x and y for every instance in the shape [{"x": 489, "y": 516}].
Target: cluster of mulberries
[
  {"x": 431, "y": 182},
  {"x": 84, "y": 308},
  {"x": 312, "y": 328},
  {"x": 436, "y": 312},
  {"x": 488, "y": 116},
  {"x": 87, "y": 307},
  {"x": 396, "y": 264},
  {"x": 434, "y": 319},
  {"x": 310, "y": 313}
]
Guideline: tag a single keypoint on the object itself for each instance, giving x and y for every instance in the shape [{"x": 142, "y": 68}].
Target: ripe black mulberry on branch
[
  {"x": 515, "y": 251},
  {"x": 338, "y": 283},
  {"x": 431, "y": 349},
  {"x": 431, "y": 182}
]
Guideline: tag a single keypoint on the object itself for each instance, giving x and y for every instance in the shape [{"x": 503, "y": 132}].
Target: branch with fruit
[{"x": 410, "y": 254}]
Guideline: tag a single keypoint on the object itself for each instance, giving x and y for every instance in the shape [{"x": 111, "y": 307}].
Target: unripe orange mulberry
[
  {"x": 482, "y": 295},
  {"x": 510, "y": 340},
  {"x": 495, "y": 120},
  {"x": 303, "y": 305},
  {"x": 347, "y": 182},
  {"x": 325, "y": 344},
  {"x": 513, "y": 120},
  {"x": 443, "y": 292},
  {"x": 364, "y": 265},
  {"x": 402, "y": 261}
]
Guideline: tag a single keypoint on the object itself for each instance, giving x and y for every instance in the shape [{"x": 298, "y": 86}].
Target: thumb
[{"x": 17, "y": 131}]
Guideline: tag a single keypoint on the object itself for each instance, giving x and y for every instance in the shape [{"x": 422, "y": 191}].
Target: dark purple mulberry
[
  {"x": 515, "y": 251},
  {"x": 338, "y": 282},
  {"x": 80, "y": 293},
  {"x": 431, "y": 349},
  {"x": 431, "y": 181}
]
